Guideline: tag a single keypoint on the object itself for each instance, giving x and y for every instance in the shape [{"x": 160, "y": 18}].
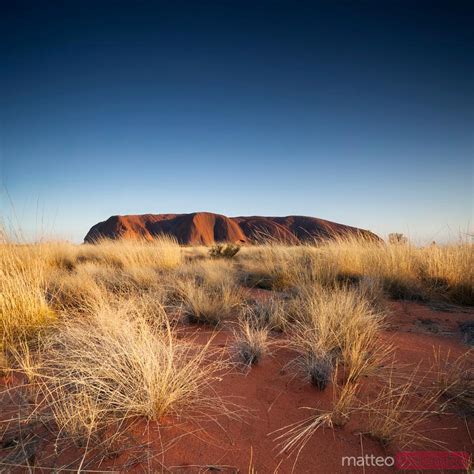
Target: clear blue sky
[{"x": 357, "y": 112}]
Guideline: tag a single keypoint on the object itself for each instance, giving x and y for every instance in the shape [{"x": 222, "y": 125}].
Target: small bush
[
  {"x": 397, "y": 239},
  {"x": 224, "y": 251}
]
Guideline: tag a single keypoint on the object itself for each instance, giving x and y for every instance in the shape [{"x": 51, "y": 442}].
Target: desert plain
[{"x": 149, "y": 355}]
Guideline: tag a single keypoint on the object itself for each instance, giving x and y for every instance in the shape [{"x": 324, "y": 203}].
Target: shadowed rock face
[{"x": 206, "y": 228}]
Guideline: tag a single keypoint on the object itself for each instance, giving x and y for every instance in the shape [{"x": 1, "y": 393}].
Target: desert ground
[{"x": 133, "y": 356}]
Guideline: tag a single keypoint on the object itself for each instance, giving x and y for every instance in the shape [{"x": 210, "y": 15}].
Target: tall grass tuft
[
  {"x": 208, "y": 304},
  {"x": 251, "y": 341},
  {"x": 397, "y": 414},
  {"x": 23, "y": 306},
  {"x": 454, "y": 379},
  {"x": 335, "y": 325},
  {"x": 116, "y": 364}
]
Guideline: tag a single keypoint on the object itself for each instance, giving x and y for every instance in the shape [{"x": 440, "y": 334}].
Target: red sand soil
[
  {"x": 274, "y": 397},
  {"x": 205, "y": 228}
]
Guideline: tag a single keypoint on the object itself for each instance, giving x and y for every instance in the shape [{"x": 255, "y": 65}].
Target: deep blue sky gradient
[{"x": 357, "y": 112}]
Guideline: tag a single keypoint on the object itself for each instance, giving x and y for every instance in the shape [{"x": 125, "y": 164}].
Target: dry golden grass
[
  {"x": 110, "y": 352},
  {"x": 195, "y": 253},
  {"x": 36, "y": 278},
  {"x": 160, "y": 253},
  {"x": 277, "y": 267},
  {"x": 128, "y": 280},
  {"x": 71, "y": 292},
  {"x": 344, "y": 400},
  {"x": 271, "y": 313},
  {"x": 281, "y": 268},
  {"x": 449, "y": 271},
  {"x": 202, "y": 303},
  {"x": 371, "y": 289},
  {"x": 404, "y": 271},
  {"x": 251, "y": 340},
  {"x": 209, "y": 272},
  {"x": 23, "y": 306},
  {"x": 67, "y": 276},
  {"x": 294, "y": 437},
  {"x": 394, "y": 417},
  {"x": 115, "y": 364},
  {"x": 397, "y": 414},
  {"x": 335, "y": 325},
  {"x": 266, "y": 267},
  {"x": 454, "y": 381}
]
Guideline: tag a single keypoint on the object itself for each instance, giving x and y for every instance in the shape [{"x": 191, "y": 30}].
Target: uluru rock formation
[{"x": 206, "y": 228}]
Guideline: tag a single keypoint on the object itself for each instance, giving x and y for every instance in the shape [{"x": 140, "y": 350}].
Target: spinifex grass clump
[
  {"x": 396, "y": 415},
  {"x": 252, "y": 335},
  {"x": 270, "y": 313},
  {"x": 251, "y": 341},
  {"x": 73, "y": 292},
  {"x": 115, "y": 364},
  {"x": 318, "y": 366},
  {"x": 202, "y": 303},
  {"x": 267, "y": 267},
  {"x": 454, "y": 379},
  {"x": 448, "y": 271},
  {"x": 334, "y": 326}
]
